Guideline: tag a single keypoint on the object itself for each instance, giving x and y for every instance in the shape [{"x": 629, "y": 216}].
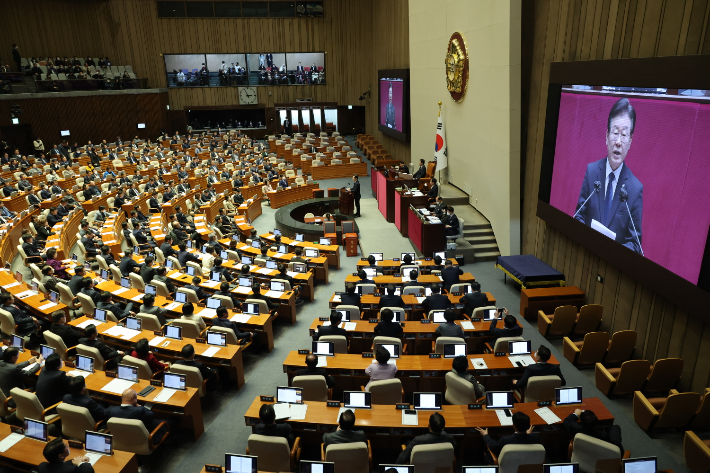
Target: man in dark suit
[
  {"x": 25, "y": 323},
  {"x": 333, "y": 328},
  {"x": 390, "y": 121},
  {"x": 435, "y": 435},
  {"x": 184, "y": 256},
  {"x": 128, "y": 264},
  {"x": 473, "y": 300},
  {"x": 450, "y": 274},
  {"x": 107, "y": 352},
  {"x": 510, "y": 328},
  {"x": 195, "y": 286},
  {"x": 147, "y": 271},
  {"x": 52, "y": 383},
  {"x": 222, "y": 320},
  {"x": 588, "y": 425},
  {"x": 523, "y": 435},
  {"x": 452, "y": 226},
  {"x": 106, "y": 303},
  {"x": 129, "y": 409},
  {"x": 188, "y": 359},
  {"x": 11, "y": 375},
  {"x": 421, "y": 172},
  {"x": 287, "y": 126},
  {"x": 56, "y": 453},
  {"x": 345, "y": 433},
  {"x": 434, "y": 191},
  {"x": 436, "y": 301},
  {"x": 312, "y": 369},
  {"x": 363, "y": 278},
  {"x": 386, "y": 327},
  {"x": 16, "y": 57},
  {"x": 269, "y": 427},
  {"x": 69, "y": 335},
  {"x": 77, "y": 397},
  {"x": 356, "y": 194},
  {"x": 167, "y": 247},
  {"x": 540, "y": 368},
  {"x": 350, "y": 297},
  {"x": 611, "y": 184},
  {"x": 413, "y": 276},
  {"x": 390, "y": 299}
]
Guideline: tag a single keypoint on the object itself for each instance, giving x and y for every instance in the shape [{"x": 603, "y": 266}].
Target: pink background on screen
[
  {"x": 397, "y": 93},
  {"x": 669, "y": 154}
]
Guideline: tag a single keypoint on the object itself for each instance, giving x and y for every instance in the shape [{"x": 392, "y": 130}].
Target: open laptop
[
  {"x": 392, "y": 348},
  {"x": 520, "y": 348},
  {"x": 561, "y": 468},
  {"x": 564, "y": 396},
  {"x": 45, "y": 351},
  {"x": 479, "y": 469},
  {"x": 84, "y": 363},
  {"x": 129, "y": 373},
  {"x": 437, "y": 317},
  {"x": 218, "y": 339},
  {"x": 100, "y": 315},
  {"x": 441, "y": 254},
  {"x": 224, "y": 255},
  {"x": 97, "y": 442},
  {"x": 256, "y": 244},
  {"x": 323, "y": 348},
  {"x": 250, "y": 309},
  {"x": 213, "y": 303},
  {"x": 180, "y": 297},
  {"x": 499, "y": 400},
  {"x": 150, "y": 289},
  {"x": 289, "y": 395},
  {"x": 173, "y": 331},
  {"x": 639, "y": 465},
  {"x": 357, "y": 400},
  {"x": 414, "y": 256},
  {"x": 317, "y": 467},
  {"x": 104, "y": 274},
  {"x": 247, "y": 260},
  {"x": 300, "y": 267},
  {"x": 17, "y": 342},
  {"x": 235, "y": 463},
  {"x": 126, "y": 282},
  {"x": 216, "y": 276},
  {"x": 168, "y": 264},
  {"x": 175, "y": 381},
  {"x": 427, "y": 401},
  {"x": 36, "y": 429},
  {"x": 371, "y": 272},
  {"x": 190, "y": 271},
  {"x": 311, "y": 253},
  {"x": 377, "y": 256},
  {"x": 278, "y": 286},
  {"x": 271, "y": 264},
  {"x": 452, "y": 350},
  {"x": 277, "y": 231},
  {"x": 324, "y": 241},
  {"x": 53, "y": 296},
  {"x": 133, "y": 323},
  {"x": 245, "y": 281},
  {"x": 396, "y": 468},
  {"x": 298, "y": 237}
]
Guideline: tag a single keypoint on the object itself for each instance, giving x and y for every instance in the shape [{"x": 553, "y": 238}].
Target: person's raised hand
[{"x": 481, "y": 431}]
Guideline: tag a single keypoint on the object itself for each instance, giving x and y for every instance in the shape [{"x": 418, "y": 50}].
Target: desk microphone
[
  {"x": 624, "y": 197},
  {"x": 597, "y": 186}
]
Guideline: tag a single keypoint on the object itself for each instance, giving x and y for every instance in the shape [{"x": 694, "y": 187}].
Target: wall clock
[
  {"x": 456, "y": 62},
  {"x": 247, "y": 96}
]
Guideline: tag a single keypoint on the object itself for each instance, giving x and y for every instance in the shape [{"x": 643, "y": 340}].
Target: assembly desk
[
  {"x": 334, "y": 171},
  {"x": 251, "y": 209},
  {"x": 283, "y": 197},
  {"x": 36, "y": 305},
  {"x": 331, "y": 251}
]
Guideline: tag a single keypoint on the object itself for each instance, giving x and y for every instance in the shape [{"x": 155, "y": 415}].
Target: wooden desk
[
  {"x": 331, "y": 251},
  {"x": 64, "y": 238},
  {"x": 169, "y": 207},
  {"x": 32, "y": 303},
  {"x": 428, "y": 238},
  {"x": 251, "y": 210},
  {"x": 389, "y": 264},
  {"x": 17, "y": 203},
  {"x": 335, "y": 171},
  {"x": 548, "y": 299},
  {"x": 319, "y": 265},
  {"x": 402, "y": 201},
  {"x": 94, "y": 204},
  {"x": 292, "y": 194}
]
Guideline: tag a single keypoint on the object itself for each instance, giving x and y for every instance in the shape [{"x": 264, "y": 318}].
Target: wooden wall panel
[{"x": 567, "y": 30}]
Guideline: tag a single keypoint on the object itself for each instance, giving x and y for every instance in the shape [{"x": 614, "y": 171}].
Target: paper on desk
[
  {"x": 93, "y": 457},
  {"x": 117, "y": 386},
  {"x": 211, "y": 351},
  {"x": 9, "y": 441},
  {"x": 278, "y": 255},
  {"x": 467, "y": 325},
  {"x": 405, "y": 278},
  {"x": 350, "y": 325},
  {"x": 8, "y": 286},
  {"x": 22, "y": 295},
  {"x": 177, "y": 275},
  {"x": 298, "y": 411},
  {"x": 30, "y": 367},
  {"x": 243, "y": 290},
  {"x": 409, "y": 419},
  {"x": 282, "y": 410},
  {"x": 274, "y": 294},
  {"x": 602, "y": 229},
  {"x": 172, "y": 305},
  {"x": 119, "y": 291},
  {"x": 207, "y": 312},
  {"x": 114, "y": 331},
  {"x": 127, "y": 333},
  {"x": 479, "y": 363},
  {"x": 212, "y": 283},
  {"x": 164, "y": 395},
  {"x": 420, "y": 300},
  {"x": 81, "y": 373},
  {"x": 240, "y": 318},
  {"x": 547, "y": 415},
  {"x": 526, "y": 360},
  {"x": 155, "y": 341},
  {"x": 86, "y": 323},
  {"x": 322, "y": 361},
  {"x": 336, "y": 298},
  {"x": 264, "y": 271},
  {"x": 46, "y": 306},
  {"x": 138, "y": 297},
  {"x": 504, "y": 419}
]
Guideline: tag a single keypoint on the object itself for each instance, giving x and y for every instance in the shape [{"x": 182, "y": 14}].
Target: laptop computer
[
  {"x": 17, "y": 342},
  {"x": 390, "y": 347},
  {"x": 216, "y": 276},
  {"x": 437, "y": 317},
  {"x": 298, "y": 237},
  {"x": 561, "y": 468},
  {"x": 441, "y": 254},
  {"x": 324, "y": 241},
  {"x": 239, "y": 463},
  {"x": 452, "y": 350},
  {"x": 150, "y": 289},
  {"x": 45, "y": 351},
  {"x": 180, "y": 297},
  {"x": 299, "y": 267},
  {"x": 97, "y": 442},
  {"x": 53, "y": 296},
  {"x": 84, "y": 363},
  {"x": 247, "y": 260},
  {"x": 323, "y": 348},
  {"x": 311, "y": 253},
  {"x": 317, "y": 467},
  {"x": 168, "y": 264},
  {"x": 564, "y": 396},
  {"x": 100, "y": 315},
  {"x": 104, "y": 274},
  {"x": 282, "y": 249},
  {"x": 173, "y": 331},
  {"x": 479, "y": 469},
  {"x": 245, "y": 281},
  {"x": 271, "y": 264},
  {"x": 129, "y": 373},
  {"x": 499, "y": 400},
  {"x": 223, "y": 255},
  {"x": 278, "y": 286},
  {"x": 427, "y": 401},
  {"x": 250, "y": 309},
  {"x": 414, "y": 256},
  {"x": 520, "y": 348},
  {"x": 371, "y": 272},
  {"x": 126, "y": 282},
  {"x": 133, "y": 323},
  {"x": 213, "y": 303},
  {"x": 217, "y": 339},
  {"x": 639, "y": 465},
  {"x": 256, "y": 244},
  {"x": 175, "y": 381},
  {"x": 190, "y": 270},
  {"x": 289, "y": 395},
  {"x": 357, "y": 400},
  {"x": 36, "y": 429}
]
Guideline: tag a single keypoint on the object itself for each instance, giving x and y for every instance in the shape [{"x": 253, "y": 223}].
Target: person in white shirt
[
  {"x": 208, "y": 261},
  {"x": 180, "y": 76}
]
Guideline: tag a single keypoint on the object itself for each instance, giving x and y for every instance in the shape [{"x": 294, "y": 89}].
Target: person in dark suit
[
  {"x": 333, "y": 328},
  {"x": 434, "y": 191},
  {"x": 449, "y": 328},
  {"x": 107, "y": 353},
  {"x": 435, "y": 435},
  {"x": 345, "y": 432},
  {"x": 588, "y": 425},
  {"x": 222, "y": 320},
  {"x": 149, "y": 307},
  {"x": 540, "y": 368},
  {"x": 25, "y": 323},
  {"x": 77, "y": 397},
  {"x": 312, "y": 369},
  {"x": 390, "y": 299},
  {"x": 413, "y": 276},
  {"x": 523, "y": 435},
  {"x": 106, "y": 303},
  {"x": 436, "y": 301},
  {"x": 452, "y": 225},
  {"x": 161, "y": 276},
  {"x": 350, "y": 297},
  {"x": 450, "y": 274},
  {"x": 287, "y": 126},
  {"x": 56, "y": 453},
  {"x": 363, "y": 278},
  {"x": 184, "y": 256},
  {"x": 69, "y": 335},
  {"x": 128, "y": 265},
  {"x": 188, "y": 359},
  {"x": 147, "y": 272},
  {"x": 16, "y": 57},
  {"x": 421, "y": 172},
  {"x": 269, "y": 427},
  {"x": 387, "y": 328},
  {"x": 195, "y": 286},
  {"x": 473, "y": 300},
  {"x": 611, "y": 184},
  {"x": 52, "y": 383},
  {"x": 390, "y": 112},
  {"x": 356, "y": 194},
  {"x": 510, "y": 327},
  {"x": 11, "y": 375},
  {"x": 129, "y": 409}
]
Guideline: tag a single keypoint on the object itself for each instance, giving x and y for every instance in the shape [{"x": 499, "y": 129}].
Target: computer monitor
[
  {"x": 397, "y": 316},
  {"x": 136, "y": 250},
  {"x": 289, "y": 395},
  {"x": 317, "y": 467},
  {"x": 323, "y": 348},
  {"x": 98, "y": 442},
  {"x": 499, "y": 400},
  {"x": 235, "y": 463},
  {"x": 129, "y": 373},
  {"x": 271, "y": 264},
  {"x": 223, "y": 255},
  {"x": 247, "y": 260},
  {"x": 213, "y": 303},
  {"x": 217, "y": 338},
  {"x": 371, "y": 272},
  {"x": 437, "y": 316},
  {"x": 363, "y": 290},
  {"x": 168, "y": 264},
  {"x": 490, "y": 314},
  {"x": 245, "y": 281},
  {"x": 572, "y": 395},
  {"x": 173, "y": 331},
  {"x": 357, "y": 400},
  {"x": 278, "y": 286},
  {"x": 427, "y": 291},
  {"x": 520, "y": 348},
  {"x": 45, "y": 350},
  {"x": 561, "y": 468},
  {"x": 282, "y": 249},
  {"x": 300, "y": 267},
  {"x": 133, "y": 323},
  {"x": 36, "y": 429},
  {"x": 298, "y": 237},
  {"x": 639, "y": 465},
  {"x": 390, "y": 347},
  {"x": 180, "y": 297},
  {"x": 479, "y": 469},
  {"x": 53, "y": 296},
  {"x": 188, "y": 244},
  {"x": 344, "y": 315},
  {"x": 427, "y": 401},
  {"x": 441, "y": 254},
  {"x": 397, "y": 468},
  {"x": 324, "y": 241},
  {"x": 465, "y": 289},
  {"x": 74, "y": 257},
  {"x": 311, "y": 253},
  {"x": 100, "y": 315},
  {"x": 150, "y": 289},
  {"x": 377, "y": 256},
  {"x": 413, "y": 255},
  {"x": 250, "y": 309},
  {"x": 84, "y": 363},
  {"x": 216, "y": 276},
  {"x": 104, "y": 274},
  {"x": 17, "y": 342},
  {"x": 190, "y": 271},
  {"x": 452, "y": 350},
  {"x": 125, "y": 282},
  {"x": 175, "y": 381},
  {"x": 256, "y": 244}
]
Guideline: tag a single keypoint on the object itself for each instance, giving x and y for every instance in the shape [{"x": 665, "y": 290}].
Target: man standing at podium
[{"x": 356, "y": 193}]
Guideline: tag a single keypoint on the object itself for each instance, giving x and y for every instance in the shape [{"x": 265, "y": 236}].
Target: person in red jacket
[{"x": 142, "y": 352}]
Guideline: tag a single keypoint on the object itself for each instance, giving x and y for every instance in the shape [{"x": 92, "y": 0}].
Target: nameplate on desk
[
  {"x": 501, "y": 353},
  {"x": 427, "y": 259},
  {"x": 158, "y": 333},
  {"x": 456, "y": 293},
  {"x": 323, "y": 319},
  {"x": 17, "y": 430},
  {"x": 363, "y": 259},
  {"x": 333, "y": 404},
  {"x": 408, "y": 307},
  {"x": 266, "y": 398},
  {"x": 75, "y": 444},
  {"x": 395, "y": 259},
  {"x": 367, "y": 355},
  {"x": 373, "y": 321},
  {"x": 434, "y": 355},
  {"x": 200, "y": 340},
  {"x": 425, "y": 321},
  {"x": 156, "y": 382},
  {"x": 397, "y": 275},
  {"x": 69, "y": 364},
  {"x": 303, "y": 352},
  {"x": 110, "y": 374},
  {"x": 213, "y": 468},
  {"x": 544, "y": 403},
  {"x": 354, "y": 274},
  {"x": 476, "y": 319},
  {"x": 475, "y": 406},
  {"x": 402, "y": 406}
]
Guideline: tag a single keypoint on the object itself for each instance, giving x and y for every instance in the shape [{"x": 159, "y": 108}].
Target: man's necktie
[{"x": 609, "y": 196}]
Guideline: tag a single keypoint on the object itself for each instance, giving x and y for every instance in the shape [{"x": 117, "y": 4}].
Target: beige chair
[
  {"x": 675, "y": 411},
  {"x": 399, "y": 313},
  {"x": 91, "y": 352},
  {"x": 5, "y": 409},
  {"x": 314, "y": 388},
  {"x": 273, "y": 453},
  {"x": 559, "y": 324},
  {"x": 161, "y": 288},
  {"x": 196, "y": 267},
  {"x": 193, "y": 377},
  {"x": 702, "y": 417},
  {"x": 231, "y": 336},
  {"x": 696, "y": 452},
  {"x": 369, "y": 289},
  {"x": 340, "y": 343},
  {"x": 478, "y": 313},
  {"x": 540, "y": 388},
  {"x": 664, "y": 376},
  {"x": 354, "y": 457},
  {"x": 353, "y": 311},
  {"x": 388, "y": 391},
  {"x": 130, "y": 435},
  {"x": 149, "y": 321},
  {"x": 76, "y": 421},
  {"x": 28, "y": 406},
  {"x": 87, "y": 304},
  {"x": 190, "y": 294},
  {"x": 624, "y": 381},
  {"x": 621, "y": 347},
  {"x": 225, "y": 301},
  {"x": 176, "y": 262},
  {"x": 433, "y": 458},
  {"x": 589, "y": 320},
  {"x": 144, "y": 371},
  {"x": 380, "y": 340},
  {"x": 190, "y": 328},
  {"x": 441, "y": 341},
  {"x": 594, "y": 455},
  {"x": 66, "y": 296},
  {"x": 513, "y": 457},
  {"x": 503, "y": 344},
  {"x": 588, "y": 352},
  {"x": 263, "y": 308},
  {"x": 116, "y": 273},
  {"x": 56, "y": 342},
  {"x": 7, "y": 323},
  {"x": 458, "y": 390},
  {"x": 137, "y": 282}
]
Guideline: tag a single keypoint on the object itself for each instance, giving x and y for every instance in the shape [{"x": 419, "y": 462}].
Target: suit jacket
[
  {"x": 612, "y": 436},
  {"x": 433, "y": 192},
  {"x": 65, "y": 467},
  {"x": 164, "y": 279},
  {"x": 274, "y": 430},
  {"x": 539, "y": 369},
  {"x": 106, "y": 351},
  {"x": 52, "y": 385},
  {"x": 126, "y": 266},
  {"x": 421, "y": 172},
  {"x": 436, "y": 302},
  {"x": 200, "y": 293},
  {"x": 390, "y": 117},
  {"x": 135, "y": 412},
  {"x": 22, "y": 319},
  {"x": 308, "y": 371},
  {"x": 11, "y": 375},
  {"x": 159, "y": 312},
  {"x": 389, "y": 329},
  {"x": 229, "y": 324},
  {"x": 147, "y": 273},
  {"x": 504, "y": 332},
  {"x": 449, "y": 330},
  {"x": 185, "y": 256},
  {"x": 356, "y": 189},
  {"x": 427, "y": 439},
  {"x": 343, "y": 436},
  {"x": 391, "y": 301},
  {"x": 451, "y": 274},
  {"x": 517, "y": 438},
  {"x": 618, "y": 220},
  {"x": 473, "y": 300},
  {"x": 349, "y": 299},
  {"x": 325, "y": 330},
  {"x": 205, "y": 371},
  {"x": 68, "y": 334},
  {"x": 115, "y": 309}
]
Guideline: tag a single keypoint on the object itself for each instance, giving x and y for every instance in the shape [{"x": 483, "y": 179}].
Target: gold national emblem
[{"x": 456, "y": 67}]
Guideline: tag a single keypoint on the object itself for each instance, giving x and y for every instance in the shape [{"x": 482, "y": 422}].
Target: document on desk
[
  {"x": 114, "y": 331},
  {"x": 22, "y": 295},
  {"x": 336, "y": 298},
  {"x": 138, "y": 297},
  {"x": 293, "y": 274},
  {"x": 164, "y": 395},
  {"x": 274, "y": 294},
  {"x": 420, "y": 300},
  {"x": 9, "y": 441},
  {"x": 46, "y": 306},
  {"x": 29, "y": 368},
  {"x": 409, "y": 419},
  {"x": 117, "y": 386},
  {"x": 93, "y": 457},
  {"x": 278, "y": 255},
  {"x": 264, "y": 271},
  {"x": 240, "y": 318},
  {"x": 86, "y": 323},
  {"x": 172, "y": 306},
  {"x": 547, "y": 415},
  {"x": 81, "y": 373},
  {"x": 156, "y": 341},
  {"x": 322, "y": 361},
  {"x": 242, "y": 290},
  {"x": 210, "y": 352},
  {"x": 127, "y": 333},
  {"x": 298, "y": 411},
  {"x": 282, "y": 410},
  {"x": 479, "y": 363},
  {"x": 119, "y": 291},
  {"x": 207, "y": 312},
  {"x": 8, "y": 286},
  {"x": 467, "y": 325},
  {"x": 212, "y": 284},
  {"x": 524, "y": 360},
  {"x": 504, "y": 419},
  {"x": 177, "y": 275},
  {"x": 350, "y": 326}
]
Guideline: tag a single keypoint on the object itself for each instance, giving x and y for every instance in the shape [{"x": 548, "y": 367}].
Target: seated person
[
  {"x": 127, "y": 264},
  {"x": 188, "y": 313},
  {"x": 390, "y": 299},
  {"x": 436, "y": 434},
  {"x": 460, "y": 368},
  {"x": 162, "y": 276},
  {"x": 106, "y": 303},
  {"x": 222, "y": 320},
  {"x": 107, "y": 353},
  {"x": 449, "y": 328},
  {"x": 413, "y": 276},
  {"x": 589, "y": 424},
  {"x": 142, "y": 352},
  {"x": 312, "y": 369},
  {"x": 188, "y": 359},
  {"x": 510, "y": 329},
  {"x": 523, "y": 435},
  {"x": 381, "y": 370},
  {"x": 11, "y": 374},
  {"x": 77, "y": 397},
  {"x": 69, "y": 335},
  {"x": 256, "y": 289},
  {"x": 363, "y": 277},
  {"x": 270, "y": 428},
  {"x": 56, "y": 453},
  {"x": 195, "y": 286},
  {"x": 345, "y": 432},
  {"x": 407, "y": 260},
  {"x": 473, "y": 300},
  {"x": 350, "y": 297},
  {"x": 450, "y": 274},
  {"x": 149, "y": 307},
  {"x": 298, "y": 251},
  {"x": 540, "y": 368},
  {"x": 130, "y": 409},
  {"x": 333, "y": 328},
  {"x": 52, "y": 383},
  {"x": 225, "y": 292},
  {"x": 25, "y": 324},
  {"x": 387, "y": 328},
  {"x": 436, "y": 301}
]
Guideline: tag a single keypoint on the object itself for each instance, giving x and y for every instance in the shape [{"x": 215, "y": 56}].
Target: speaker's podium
[{"x": 347, "y": 201}]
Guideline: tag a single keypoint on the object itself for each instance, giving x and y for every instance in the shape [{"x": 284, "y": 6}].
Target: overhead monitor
[{"x": 393, "y": 93}]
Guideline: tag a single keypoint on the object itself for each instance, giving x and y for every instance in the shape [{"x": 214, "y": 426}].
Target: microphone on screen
[
  {"x": 624, "y": 197},
  {"x": 597, "y": 186}
]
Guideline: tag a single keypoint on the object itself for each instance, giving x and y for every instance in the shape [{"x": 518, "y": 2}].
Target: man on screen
[
  {"x": 389, "y": 118},
  {"x": 612, "y": 186}
]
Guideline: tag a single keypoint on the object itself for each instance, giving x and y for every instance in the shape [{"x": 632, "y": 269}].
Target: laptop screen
[
  {"x": 150, "y": 289},
  {"x": 410, "y": 254},
  {"x": 377, "y": 256},
  {"x": 174, "y": 381},
  {"x": 278, "y": 286},
  {"x": 323, "y": 348},
  {"x": 246, "y": 260},
  {"x": 17, "y": 342},
  {"x": 396, "y": 468},
  {"x": 189, "y": 244},
  {"x": 223, "y": 255},
  {"x": 568, "y": 395},
  {"x": 216, "y": 276},
  {"x": 173, "y": 331},
  {"x": 251, "y": 309},
  {"x": 100, "y": 315},
  {"x": 452, "y": 350},
  {"x": 289, "y": 395},
  {"x": 129, "y": 373},
  {"x": 310, "y": 253},
  {"x": 499, "y": 400},
  {"x": 479, "y": 469},
  {"x": 213, "y": 303},
  {"x": 441, "y": 254},
  {"x": 390, "y": 347},
  {"x": 437, "y": 317},
  {"x": 324, "y": 241},
  {"x": 398, "y": 316},
  {"x": 217, "y": 338},
  {"x": 427, "y": 401},
  {"x": 180, "y": 297},
  {"x": 98, "y": 443},
  {"x": 169, "y": 264},
  {"x": 35, "y": 429},
  {"x": 317, "y": 467},
  {"x": 104, "y": 274},
  {"x": 245, "y": 282},
  {"x": 256, "y": 244},
  {"x": 45, "y": 350},
  {"x": 239, "y": 463},
  {"x": 53, "y": 296},
  {"x": 299, "y": 237},
  {"x": 561, "y": 468},
  {"x": 639, "y": 465},
  {"x": 85, "y": 363},
  {"x": 299, "y": 267},
  {"x": 490, "y": 314},
  {"x": 519, "y": 348},
  {"x": 125, "y": 282},
  {"x": 134, "y": 323},
  {"x": 190, "y": 271},
  {"x": 271, "y": 264},
  {"x": 277, "y": 231},
  {"x": 357, "y": 399}
]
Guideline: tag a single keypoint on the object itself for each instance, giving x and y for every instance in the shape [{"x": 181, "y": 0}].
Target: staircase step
[
  {"x": 456, "y": 200},
  {"x": 483, "y": 246},
  {"x": 483, "y": 241},
  {"x": 486, "y": 256},
  {"x": 478, "y": 232}
]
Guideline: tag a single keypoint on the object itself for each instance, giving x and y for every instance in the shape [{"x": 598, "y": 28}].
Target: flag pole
[{"x": 437, "y": 164}]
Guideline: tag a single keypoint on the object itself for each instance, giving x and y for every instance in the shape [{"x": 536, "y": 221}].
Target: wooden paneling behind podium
[{"x": 603, "y": 29}]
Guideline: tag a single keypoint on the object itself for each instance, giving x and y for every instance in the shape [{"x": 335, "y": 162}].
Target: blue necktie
[{"x": 609, "y": 196}]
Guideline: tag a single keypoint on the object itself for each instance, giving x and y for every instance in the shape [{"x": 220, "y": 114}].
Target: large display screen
[
  {"x": 393, "y": 94},
  {"x": 633, "y": 164}
]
